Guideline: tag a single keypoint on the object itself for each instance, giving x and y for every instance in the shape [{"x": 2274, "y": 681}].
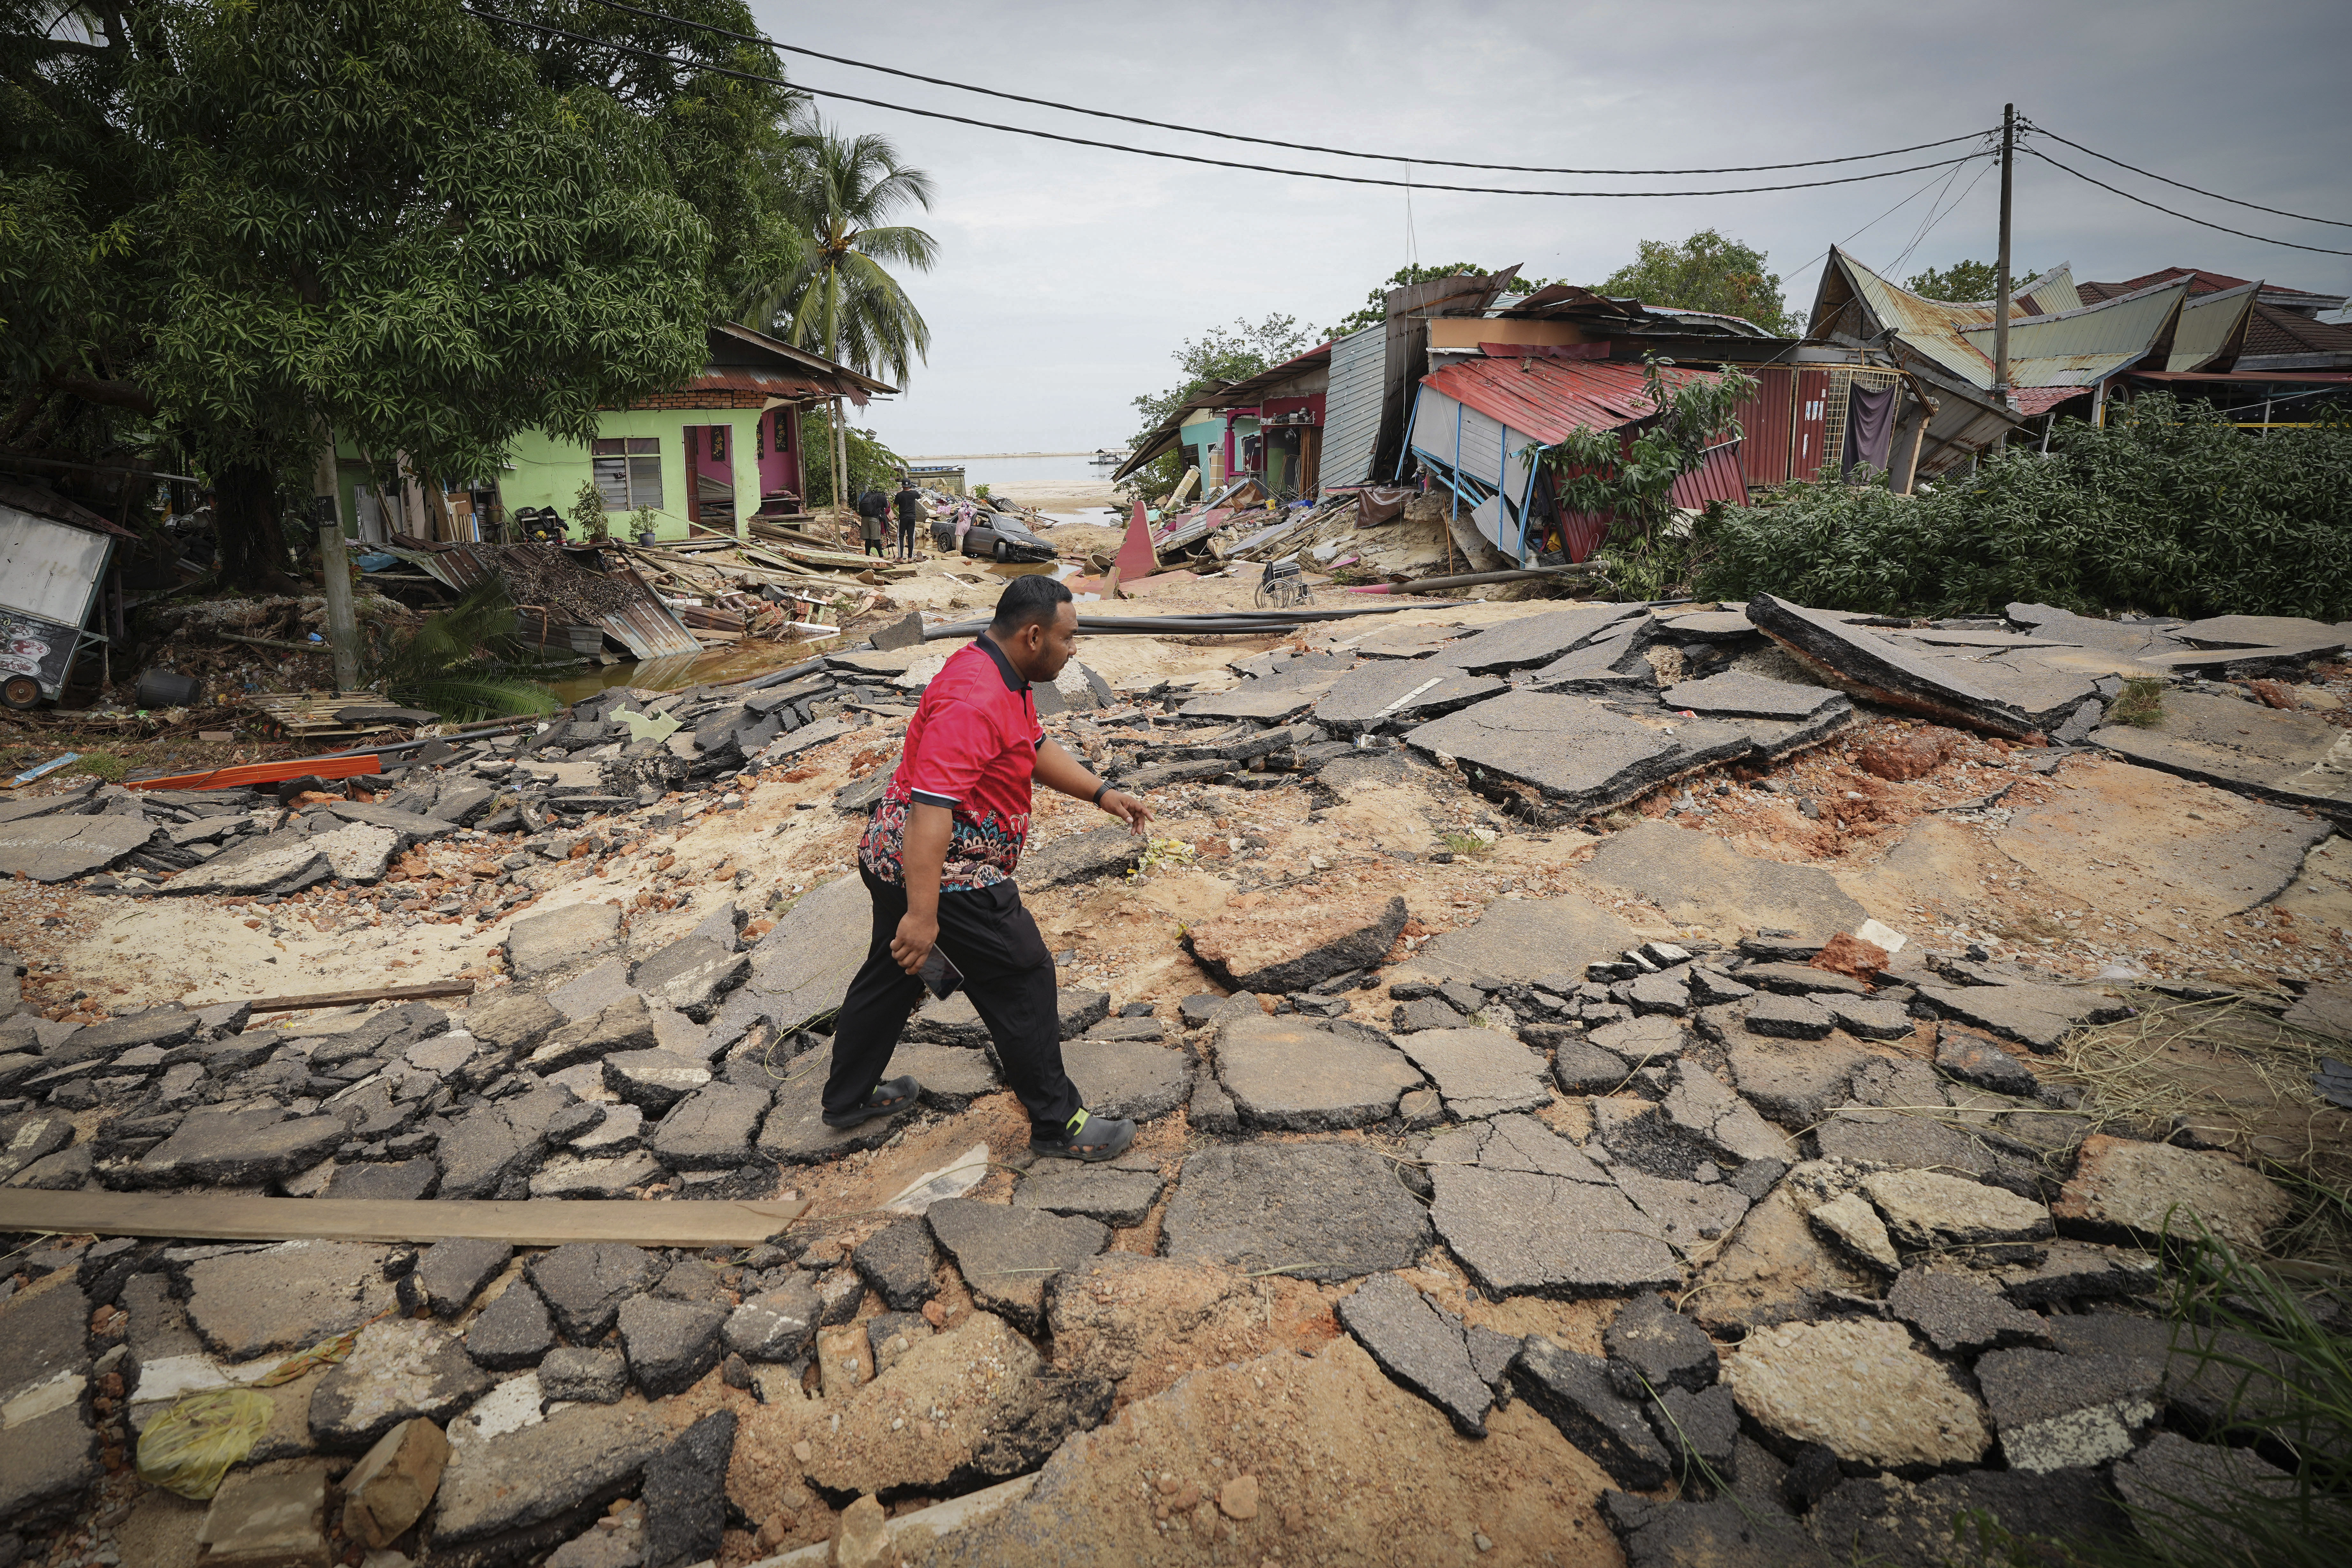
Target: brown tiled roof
[
  {"x": 2276, "y": 331},
  {"x": 2204, "y": 283}
]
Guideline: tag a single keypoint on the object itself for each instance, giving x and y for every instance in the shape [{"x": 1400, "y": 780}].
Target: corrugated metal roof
[
  {"x": 2211, "y": 325},
  {"x": 1548, "y": 398},
  {"x": 2078, "y": 346},
  {"x": 1719, "y": 478},
  {"x": 1351, "y": 408}
]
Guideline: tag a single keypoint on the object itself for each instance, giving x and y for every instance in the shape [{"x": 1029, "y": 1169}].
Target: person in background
[
  {"x": 938, "y": 863},
  {"x": 873, "y": 507},
  {"x": 912, "y": 509},
  {"x": 967, "y": 512}
]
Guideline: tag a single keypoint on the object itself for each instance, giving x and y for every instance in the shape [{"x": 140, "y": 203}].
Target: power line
[
  {"x": 2282, "y": 211},
  {"x": 1259, "y": 141},
  {"x": 1934, "y": 217},
  {"x": 1151, "y": 153},
  {"x": 2201, "y": 223}
]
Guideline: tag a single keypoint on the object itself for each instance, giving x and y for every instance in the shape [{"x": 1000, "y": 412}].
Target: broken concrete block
[
  {"x": 2038, "y": 1016},
  {"x": 246, "y": 1304},
  {"x": 450, "y": 1274},
  {"x": 1698, "y": 879},
  {"x": 584, "y": 1283},
  {"x": 584, "y": 1375},
  {"x": 1283, "y": 948},
  {"x": 268, "y": 1519},
  {"x": 1850, "y": 1220},
  {"x": 2288, "y": 758},
  {"x": 1859, "y": 1389},
  {"x": 1531, "y": 640},
  {"x": 1478, "y": 1072},
  {"x": 2124, "y": 1190},
  {"x": 1875, "y": 669},
  {"x": 1580, "y": 755},
  {"x": 1777, "y": 1017},
  {"x": 1653, "y": 1348},
  {"x": 774, "y": 1325},
  {"x": 237, "y": 1149},
  {"x": 1138, "y": 1079},
  {"x": 1118, "y": 1194},
  {"x": 390, "y": 1488},
  {"x": 550, "y": 940},
  {"x": 1974, "y": 1060},
  {"x": 1925, "y": 1208},
  {"x": 1073, "y": 857},
  {"x": 899, "y": 1261},
  {"x": 529, "y": 1488},
  {"x": 59, "y": 849},
  {"x": 512, "y": 1332},
  {"x": 1523, "y": 940},
  {"x": 1394, "y": 695}
]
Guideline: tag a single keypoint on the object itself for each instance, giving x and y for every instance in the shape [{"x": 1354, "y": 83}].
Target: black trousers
[
  {"x": 1008, "y": 974},
  {"x": 907, "y": 539}
]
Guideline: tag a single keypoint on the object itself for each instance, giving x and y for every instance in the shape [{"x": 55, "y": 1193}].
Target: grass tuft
[{"x": 2141, "y": 704}]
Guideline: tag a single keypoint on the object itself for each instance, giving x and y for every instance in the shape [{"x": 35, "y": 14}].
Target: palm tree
[{"x": 840, "y": 301}]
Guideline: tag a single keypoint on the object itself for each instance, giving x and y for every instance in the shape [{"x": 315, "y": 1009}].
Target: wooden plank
[
  {"x": 352, "y": 999},
  {"x": 226, "y": 1217}
]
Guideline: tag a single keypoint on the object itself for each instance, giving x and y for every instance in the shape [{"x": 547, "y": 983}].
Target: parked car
[{"x": 1001, "y": 539}]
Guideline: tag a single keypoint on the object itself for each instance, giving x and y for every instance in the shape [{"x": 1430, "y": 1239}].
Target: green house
[{"x": 703, "y": 458}]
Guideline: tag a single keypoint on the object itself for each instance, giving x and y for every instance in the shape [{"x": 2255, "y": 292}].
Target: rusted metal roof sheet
[
  {"x": 2084, "y": 346},
  {"x": 643, "y": 623},
  {"x": 1717, "y": 478},
  {"x": 1548, "y": 398}
]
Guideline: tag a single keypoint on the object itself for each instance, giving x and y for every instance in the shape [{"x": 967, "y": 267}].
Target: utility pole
[{"x": 2000, "y": 300}]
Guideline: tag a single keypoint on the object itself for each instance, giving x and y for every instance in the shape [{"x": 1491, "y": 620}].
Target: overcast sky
[{"x": 1069, "y": 274}]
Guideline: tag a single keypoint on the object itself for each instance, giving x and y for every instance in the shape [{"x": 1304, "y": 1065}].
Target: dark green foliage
[
  {"x": 459, "y": 662},
  {"x": 1963, "y": 282},
  {"x": 2167, "y": 510},
  {"x": 1705, "y": 272}
]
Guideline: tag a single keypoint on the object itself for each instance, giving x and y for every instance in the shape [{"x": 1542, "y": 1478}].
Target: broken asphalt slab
[
  {"x": 1394, "y": 694},
  {"x": 1695, "y": 878},
  {"x": 1285, "y": 947},
  {"x": 1294, "y": 1074},
  {"x": 1866, "y": 665},
  {"x": 1316, "y": 1211},
  {"x": 1577, "y": 754},
  {"x": 1532, "y": 640},
  {"x": 1420, "y": 1346},
  {"x": 1528, "y": 1213},
  {"x": 2289, "y": 759},
  {"x": 1525, "y": 940},
  {"x": 59, "y": 849}
]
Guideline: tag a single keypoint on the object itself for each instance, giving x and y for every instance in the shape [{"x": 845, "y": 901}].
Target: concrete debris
[
  {"x": 1861, "y": 1390},
  {"x": 1473, "y": 1058}
]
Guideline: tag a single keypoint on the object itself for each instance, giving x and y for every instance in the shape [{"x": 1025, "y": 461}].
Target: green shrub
[{"x": 2167, "y": 510}]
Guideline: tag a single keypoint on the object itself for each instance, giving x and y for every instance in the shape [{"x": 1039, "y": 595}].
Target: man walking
[
  {"x": 911, "y": 512},
  {"x": 938, "y": 863},
  {"x": 872, "y": 510}
]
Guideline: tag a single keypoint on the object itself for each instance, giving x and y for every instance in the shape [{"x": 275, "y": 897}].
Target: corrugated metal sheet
[
  {"x": 644, "y": 626},
  {"x": 2080, "y": 348},
  {"x": 2209, "y": 324},
  {"x": 1717, "y": 478},
  {"x": 1550, "y": 398},
  {"x": 1764, "y": 420},
  {"x": 1351, "y": 410}
]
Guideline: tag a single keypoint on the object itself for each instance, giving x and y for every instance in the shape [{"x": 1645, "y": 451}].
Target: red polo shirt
[{"x": 971, "y": 746}]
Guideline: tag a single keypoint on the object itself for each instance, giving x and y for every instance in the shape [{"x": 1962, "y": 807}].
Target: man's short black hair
[{"x": 1028, "y": 601}]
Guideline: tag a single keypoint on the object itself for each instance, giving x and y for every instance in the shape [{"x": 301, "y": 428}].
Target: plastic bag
[{"x": 189, "y": 1447}]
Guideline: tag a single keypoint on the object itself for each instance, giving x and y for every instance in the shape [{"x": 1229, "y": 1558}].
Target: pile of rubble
[{"x": 1773, "y": 1240}]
